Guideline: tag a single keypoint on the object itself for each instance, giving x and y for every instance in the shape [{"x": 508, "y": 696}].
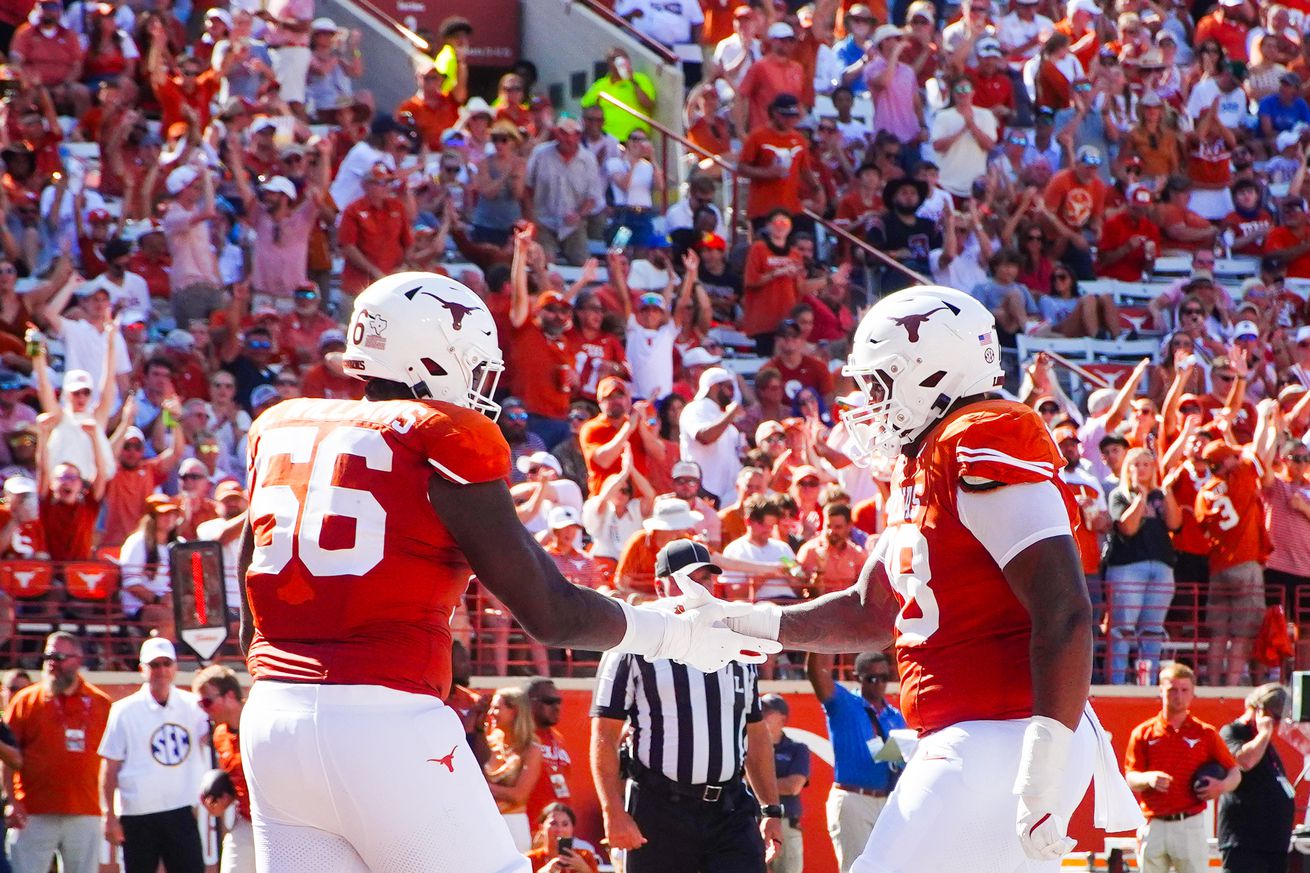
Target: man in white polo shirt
[{"x": 154, "y": 756}]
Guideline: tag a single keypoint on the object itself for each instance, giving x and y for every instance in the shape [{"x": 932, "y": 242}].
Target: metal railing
[
  {"x": 82, "y": 597},
  {"x": 665, "y": 53},
  {"x": 666, "y": 135}
]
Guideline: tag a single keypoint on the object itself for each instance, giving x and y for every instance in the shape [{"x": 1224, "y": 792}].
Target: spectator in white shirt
[
  {"x": 671, "y": 22},
  {"x": 707, "y": 435},
  {"x": 86, "y": 338},
  {"x": 651, "y": 332},
  {"x": 153, "y": 758},
  {"x": 734, "y": 55},
  {"x": 758, "y": 545},
  {"x": 127, "y": 291},
  {"x": 146, "y": 592},
  {"x": 1023, "y": 31}
]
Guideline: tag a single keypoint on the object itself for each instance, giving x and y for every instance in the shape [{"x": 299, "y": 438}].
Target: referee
[{"x": 684, "y": 808}]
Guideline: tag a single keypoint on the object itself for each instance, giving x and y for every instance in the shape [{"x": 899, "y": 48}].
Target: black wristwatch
[{"x": 773, "y": 810}]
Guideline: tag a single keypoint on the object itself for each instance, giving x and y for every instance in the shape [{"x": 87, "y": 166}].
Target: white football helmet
[
  {"x": 428, "y": 332},
  {"x": 915, "y": 353}
]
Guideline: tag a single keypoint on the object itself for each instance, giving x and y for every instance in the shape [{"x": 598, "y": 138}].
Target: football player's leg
[
  {"x": 410, "y": 795},
  {"x": 954, "y": 808},
  {"x": 293, "y": 818}
]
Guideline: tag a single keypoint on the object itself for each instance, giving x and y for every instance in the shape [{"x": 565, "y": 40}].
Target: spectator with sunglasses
[
  {"x": 219, "y": 694},
  {"x": 51, "y": 766},
  {"x": 556, "y": 764},
  {"x": 858, "y": 726}
]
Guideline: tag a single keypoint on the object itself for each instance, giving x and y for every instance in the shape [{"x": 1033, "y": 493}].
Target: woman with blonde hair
[
  {"x": 515, "y": 763},
  {"x": 1139, "y": 561}
]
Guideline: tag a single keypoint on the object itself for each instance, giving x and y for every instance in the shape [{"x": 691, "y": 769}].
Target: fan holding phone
[{"x": 554, "y": 849}]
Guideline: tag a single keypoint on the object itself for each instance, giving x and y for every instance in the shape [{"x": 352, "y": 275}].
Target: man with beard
[
  {"x": 127, "y": 290},
  {"x": 513, "y": 423},
  {"x": 831, "y": 560},
  {"x": 707, "y": 434},
  {"x": 903, "y": 234},
  {"x": 553, "y": 786},
  {"x": 618, "y": 425},
  {"x": 57, "y": 724},
  {"x": 686, "y": 477}
]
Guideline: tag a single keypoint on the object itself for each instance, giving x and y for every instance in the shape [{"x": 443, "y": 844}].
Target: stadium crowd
[{"x": 192, "y": 196}]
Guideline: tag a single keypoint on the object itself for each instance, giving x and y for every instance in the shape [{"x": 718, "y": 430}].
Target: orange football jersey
[
  {"x": 961, "y": 635},
  {"x": 1232, "y": 514},
  {"x": 1191, "y": 536},
  {"x": 353, "y": 578}
]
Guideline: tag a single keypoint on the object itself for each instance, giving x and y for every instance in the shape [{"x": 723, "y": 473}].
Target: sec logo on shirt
[{"x": 170, "y": 744}]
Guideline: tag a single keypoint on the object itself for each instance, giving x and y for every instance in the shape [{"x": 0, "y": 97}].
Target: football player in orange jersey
[
  {"x": 366, "y": 518},
  {"x": 978, "y": 583}
]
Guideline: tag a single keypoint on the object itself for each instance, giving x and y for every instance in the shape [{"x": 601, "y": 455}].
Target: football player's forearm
[{"x": 843, "y": 621}]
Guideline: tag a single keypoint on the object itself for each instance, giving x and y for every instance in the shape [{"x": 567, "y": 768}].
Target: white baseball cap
[
  {"x": 539, "y": 459},
  {"x": 711, "y": 377},
  {"x": 78, "y": 380},
  {"x": 1246, "y": 329},
  {"x": 1091, "y": 7},
  {"x": 781, "y": 30},
  {"x": 699, "y": 357},
  {"x": 156, "y": 648},
  {"x": 16, "y": 485},
  {"x": 685, "y": 470},
  {"x": 563, "y": 516},
  {"x": 280, "y": 185}
]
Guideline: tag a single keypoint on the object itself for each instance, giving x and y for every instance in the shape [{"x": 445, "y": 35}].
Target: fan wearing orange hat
[
  {"x": 146, "y": 592},
  {"x": 1230, "y": 509},
  {"x": 621, "y": 435}
]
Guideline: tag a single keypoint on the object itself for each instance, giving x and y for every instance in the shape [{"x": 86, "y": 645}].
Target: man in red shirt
[
  {"x": 1224, "y": 29},
  {"x": 1076, "y": 198},
  {"x": 193, "y": 88},
  {"x": 327, "y": 377},
  {"x": 597, "y": 353},
  {"x": 544, "y": 375},
  {"x": 617, "y": 429},
  {"x": 1162, "y": 758},
  {"x": 770, "y": 77},
  {"x": 374, "y": 233},
  {"x": 1130, "y": 240},
  {"x": 992, "y": 87},
  {"x": 52, "y": 54},
  {"x": 433, "y": 109},
  {"x": 137, "y": 476},
  {"x": 222, "y": 700},
  {"x": 1231, "y": 512},
  {"x": 556, "y": 765},
  {"x": 69, "y": 510},
  {"x": 798, "y": 369},
  {"x": 776, "y": 160},
  {"x": 1290, "y": 240}
]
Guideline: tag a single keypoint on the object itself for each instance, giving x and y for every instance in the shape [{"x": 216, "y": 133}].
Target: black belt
[
  {"x": 1177, "y": 816},
  {"x": 867, "y": 792},
  {"x": 707, "y": 792}
]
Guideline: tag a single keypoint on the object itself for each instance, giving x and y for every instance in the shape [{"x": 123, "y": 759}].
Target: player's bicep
[{"x": 1009, "y": 518}]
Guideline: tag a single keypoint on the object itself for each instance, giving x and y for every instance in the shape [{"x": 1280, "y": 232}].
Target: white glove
[
  {"x": 762, "y": 620},
  {"x": 696, "y": 637},
  {"x": 1043, "y": 831}
]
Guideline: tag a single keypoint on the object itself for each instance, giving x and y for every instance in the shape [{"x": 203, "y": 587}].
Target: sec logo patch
[{"x": 170, "y": 744}]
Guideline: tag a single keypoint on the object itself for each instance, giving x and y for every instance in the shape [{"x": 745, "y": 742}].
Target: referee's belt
[
  {"x": 708, "y": 792},
  {"x": 1177, "y": 816},
  {"x": 867, "y": 792}
]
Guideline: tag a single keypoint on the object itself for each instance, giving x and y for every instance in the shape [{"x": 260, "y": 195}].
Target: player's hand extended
[
  {"x": 1042, "y": 830},
  {"x": 699, "y": 637},
  {"x": 621, "y": 832},
  {"x": 753, "y": 619}
]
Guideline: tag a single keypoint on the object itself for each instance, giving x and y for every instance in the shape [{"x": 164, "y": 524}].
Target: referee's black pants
[
  {"x": 688, "y": 835},
  {"x": 170, "y": 837}
]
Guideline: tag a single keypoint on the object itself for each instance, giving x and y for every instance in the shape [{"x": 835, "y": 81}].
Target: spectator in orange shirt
[
  {"x": 556, "y": 764},
  {"x": 619, "y": 426},
  {"x": 771, "y": 77},
  {"x": 1079, "y": 25},
  {"x": 777, "y": 161},
  {"x": 1221, "y": 26},
  {"x": 1181, "y": 227},
  {"x": 1076, "y": 203},
  {"x": 53, "y": 60},
  {"x": 434, "y": 109},
  {"x": 220, "y": 696},
  {"x": 137, "y": 476},
  {"x": 186, "y": 97},
  {"x": 1231, "y": 512},
  {"x": 1290, "y": 239},
  {"x": 750, "y": 481},
  {"x": 1163, "y": 755},
  {"x": 774, "y": 269},
  {"x": 69, "y": 510},
  {"x": 374, "y": 234},
  {"x": 1130, "y": 240},
  {"x": 831, "y": 560},
  {"x": 54, "y": 801},
  {"x": 671, "y": 520},
  {"x": 544, "y": 375}
]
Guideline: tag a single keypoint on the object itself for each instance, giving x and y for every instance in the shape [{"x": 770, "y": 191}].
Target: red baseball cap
[{"x": 551, "y": 298}]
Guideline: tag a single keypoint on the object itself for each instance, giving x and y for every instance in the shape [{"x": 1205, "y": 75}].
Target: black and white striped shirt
[{"x": 688, "y": 725}]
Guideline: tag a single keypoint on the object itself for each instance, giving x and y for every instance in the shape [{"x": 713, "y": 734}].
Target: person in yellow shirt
[
  {"x": 452, "y": 58},
  {"x": 623, "y": 84}
]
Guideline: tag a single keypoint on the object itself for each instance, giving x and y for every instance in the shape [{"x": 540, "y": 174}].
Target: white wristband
[
  {"x": 1046, "y": 744},
  {"x": 646, "y": 630},
  {"x": 764, "y": 621}
]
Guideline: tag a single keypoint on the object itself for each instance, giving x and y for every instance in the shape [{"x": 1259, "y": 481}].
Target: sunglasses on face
[
  {"x": 577, "y": 417},
  {"x": 499, "y": 137},
  {"x": 306, "y": 294},
  {"x": 259, "y": 344},
  {"x": 1299, "y": 459},
  {"x": 809, "y": 483},
  {"x": 192, "y": 477},
  {"x": 1223, "y": 377},
  {"x": 207, "y": 703},
  {"x": 875, "y": 677},
  {"x": 517, "y": 416},
  {"x": 160, "y": 664},
  {"x": 1048, "y": 409},
  {"x": 58, "y": 657}
]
